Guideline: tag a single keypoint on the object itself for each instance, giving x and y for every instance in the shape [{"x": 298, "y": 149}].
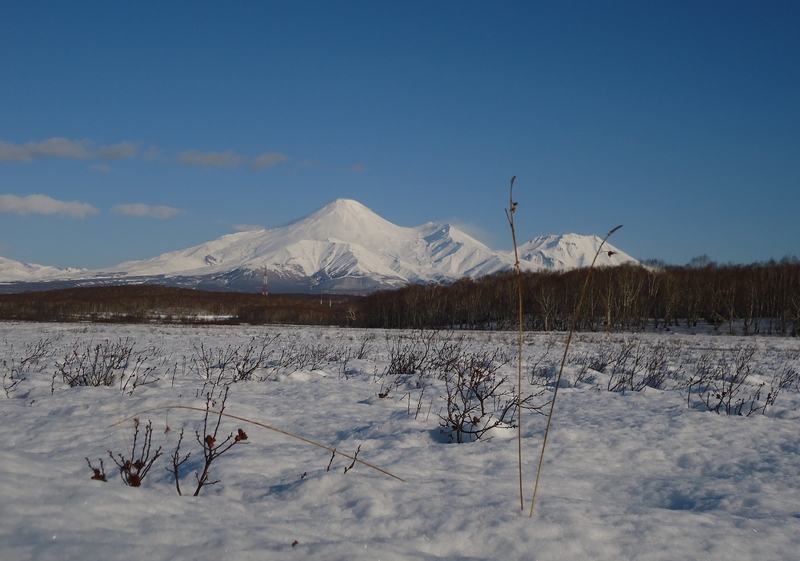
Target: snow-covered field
[{"x": 627, "y": 475}]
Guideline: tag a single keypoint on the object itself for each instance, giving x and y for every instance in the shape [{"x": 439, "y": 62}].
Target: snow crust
[
  {"x": 627, "y": 476},
  {"x": 338, "y": 243}
]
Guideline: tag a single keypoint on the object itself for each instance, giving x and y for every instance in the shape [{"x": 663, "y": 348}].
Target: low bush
[
  {"x": 722, "y": 382},
  {"x": 17, "y": 369}
]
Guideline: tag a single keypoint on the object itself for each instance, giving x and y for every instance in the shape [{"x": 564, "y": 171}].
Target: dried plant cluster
[
  {"x": 32, "y": 360},
  {"x": 211, "y": 446},
  {"x": 118, "y": 363},
  {"x": 107, "y": 363},
  {"x": 474, "y": 388},
  {"x": 234, "y": 363},
  {"x": 478, "y": 399},
  {"x": 717, "y": 379},
  {"x": 136, "y": 464},
  {"x": 263, "y": 358},
  {"x": 418, "y": 362},
  {"x": 722, "y": 381},
  {"x": 135, "y": 468}
]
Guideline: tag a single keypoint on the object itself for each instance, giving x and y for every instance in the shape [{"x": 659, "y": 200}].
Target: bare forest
[{"x": 741, "y": 299}]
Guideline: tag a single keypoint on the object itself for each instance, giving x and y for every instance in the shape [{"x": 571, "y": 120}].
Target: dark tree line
[
  {"x": 144, "y": 303},
  {"x": 757, "y": 298}
]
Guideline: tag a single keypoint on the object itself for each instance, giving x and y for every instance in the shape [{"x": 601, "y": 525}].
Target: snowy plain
[{"x": 627, "y": 475}]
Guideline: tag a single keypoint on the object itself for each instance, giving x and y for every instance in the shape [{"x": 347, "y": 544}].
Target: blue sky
[{"x": 132, "y": 129}]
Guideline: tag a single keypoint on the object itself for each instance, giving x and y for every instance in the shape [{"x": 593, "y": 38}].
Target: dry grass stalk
[
  {"x": 563, "y": 361},
  {"x": 512, "y": 208}
]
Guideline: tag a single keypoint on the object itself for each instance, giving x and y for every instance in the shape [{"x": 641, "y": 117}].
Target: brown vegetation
[
  {"x": 144, "y": 303},
  {"x": 758, "y": 298}
]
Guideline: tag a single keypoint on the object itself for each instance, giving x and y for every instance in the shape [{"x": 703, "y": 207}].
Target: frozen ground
[{"x": 628, "y": 474}]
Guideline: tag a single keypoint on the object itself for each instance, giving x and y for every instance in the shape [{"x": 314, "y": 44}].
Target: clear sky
[{"x": 128, "y": 129}]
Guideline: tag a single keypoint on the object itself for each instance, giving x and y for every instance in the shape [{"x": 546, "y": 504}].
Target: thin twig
[
  {"x": 351, "y": 466},
  {"x": 177, "y": 462},
  {"x": 561, "y": 368}
]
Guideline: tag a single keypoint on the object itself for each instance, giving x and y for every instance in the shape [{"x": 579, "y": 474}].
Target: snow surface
[
  {"x": 627, "y": 476},
  {"x": 331, "y": 247}
]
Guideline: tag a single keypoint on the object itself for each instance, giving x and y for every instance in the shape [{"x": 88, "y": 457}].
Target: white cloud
[
  {"x": 268, "y": 159},
  {"x": 211, "y": 159},
  {"x": 42, "y": 204},
  {"x": 115, "y": 152},
  {"x": 151, "y": 154},
  {"x": 247, "y": 227},
  {"x": 101, "y": 167},
  {"x": 139, "y": 209},
  {"x": 358, "y": 167},
  {"x": 64, "y": 148},
  {"x": 307, "y": 164},
  {"x": 52, "y": 148}
]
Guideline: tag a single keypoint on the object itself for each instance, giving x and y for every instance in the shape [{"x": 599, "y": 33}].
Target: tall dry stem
[
  {"x": 512, "y": 208},
  {"x": 563, "y": 361}
]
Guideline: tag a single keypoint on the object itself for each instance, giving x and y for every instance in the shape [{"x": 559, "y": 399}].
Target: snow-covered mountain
[
  {"x": 11, "y": 271},
  {"x": 569, "y": 251},
  {"x": 343, "y": 247}
]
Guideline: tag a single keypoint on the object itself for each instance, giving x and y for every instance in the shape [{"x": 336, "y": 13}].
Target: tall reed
[
  {"x": 564, "y": 360},
  {"x": 512, "y": 208}
]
